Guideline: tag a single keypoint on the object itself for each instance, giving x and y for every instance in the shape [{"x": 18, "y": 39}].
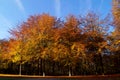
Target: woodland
[{"x": 77, "y": 45}]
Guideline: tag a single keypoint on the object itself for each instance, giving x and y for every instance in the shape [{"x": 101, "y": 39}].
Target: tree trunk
[
  {"x": 69, "y": 71},
  {"x": 95, "y": 61},
  {"x": 101, "y": 62},
  {"x": 43, "y": 74},
  {"x": 43, "y": 68},
  {"x": 20, "y": 68},
  {"x": 53, "y": 68},
  {"x": 38, "y": 66}
]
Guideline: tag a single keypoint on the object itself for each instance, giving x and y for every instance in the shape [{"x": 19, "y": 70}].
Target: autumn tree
[
  {"x": 116, "y": 14},
  {"x": 68, "y": 42},
  {"x": 115, "y": 37},
  {"x": 4, "y": 54},
  {"x": 17, "y": 49},
  {"x": 116, "y": 23},
  {"x": 47, "y": 45},
  {"x": 33, "y": 38},
  {"x": 95, "y": 31}
]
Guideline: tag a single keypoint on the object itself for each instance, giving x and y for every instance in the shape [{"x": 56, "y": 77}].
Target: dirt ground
[{"x": 29, "y": 77}]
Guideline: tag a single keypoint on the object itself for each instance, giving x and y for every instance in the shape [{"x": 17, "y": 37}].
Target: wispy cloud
[
  {"x": 101, "y": 3},
  {"x": 58, "y": 8},
  {"x": 20, "y": 5},
  {"x": 5, "y": 22},
  {"x": 82, "y": 6},
  {"x": 5, "y": 25},
  {"x": 88, "y": 4}
]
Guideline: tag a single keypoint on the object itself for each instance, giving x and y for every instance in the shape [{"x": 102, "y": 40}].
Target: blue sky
[{"x": 14, "y": 12}]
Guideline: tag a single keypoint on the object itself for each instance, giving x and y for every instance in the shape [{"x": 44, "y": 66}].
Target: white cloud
[
  {"x": 57, "y": 8},
  {"x": 20, "y": 5}
]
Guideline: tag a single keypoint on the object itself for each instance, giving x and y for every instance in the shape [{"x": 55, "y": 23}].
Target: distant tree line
[{"x": 46, "y": 45}]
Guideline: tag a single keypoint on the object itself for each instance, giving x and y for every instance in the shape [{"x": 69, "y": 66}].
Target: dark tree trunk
[
  {"x": 53, "y": 68},
  {"x": 38, "y": 66},
  {"x": 41, "y": 66},
  {"x": 101, "y": 63},
  {"x": 96, "y": 65}
]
